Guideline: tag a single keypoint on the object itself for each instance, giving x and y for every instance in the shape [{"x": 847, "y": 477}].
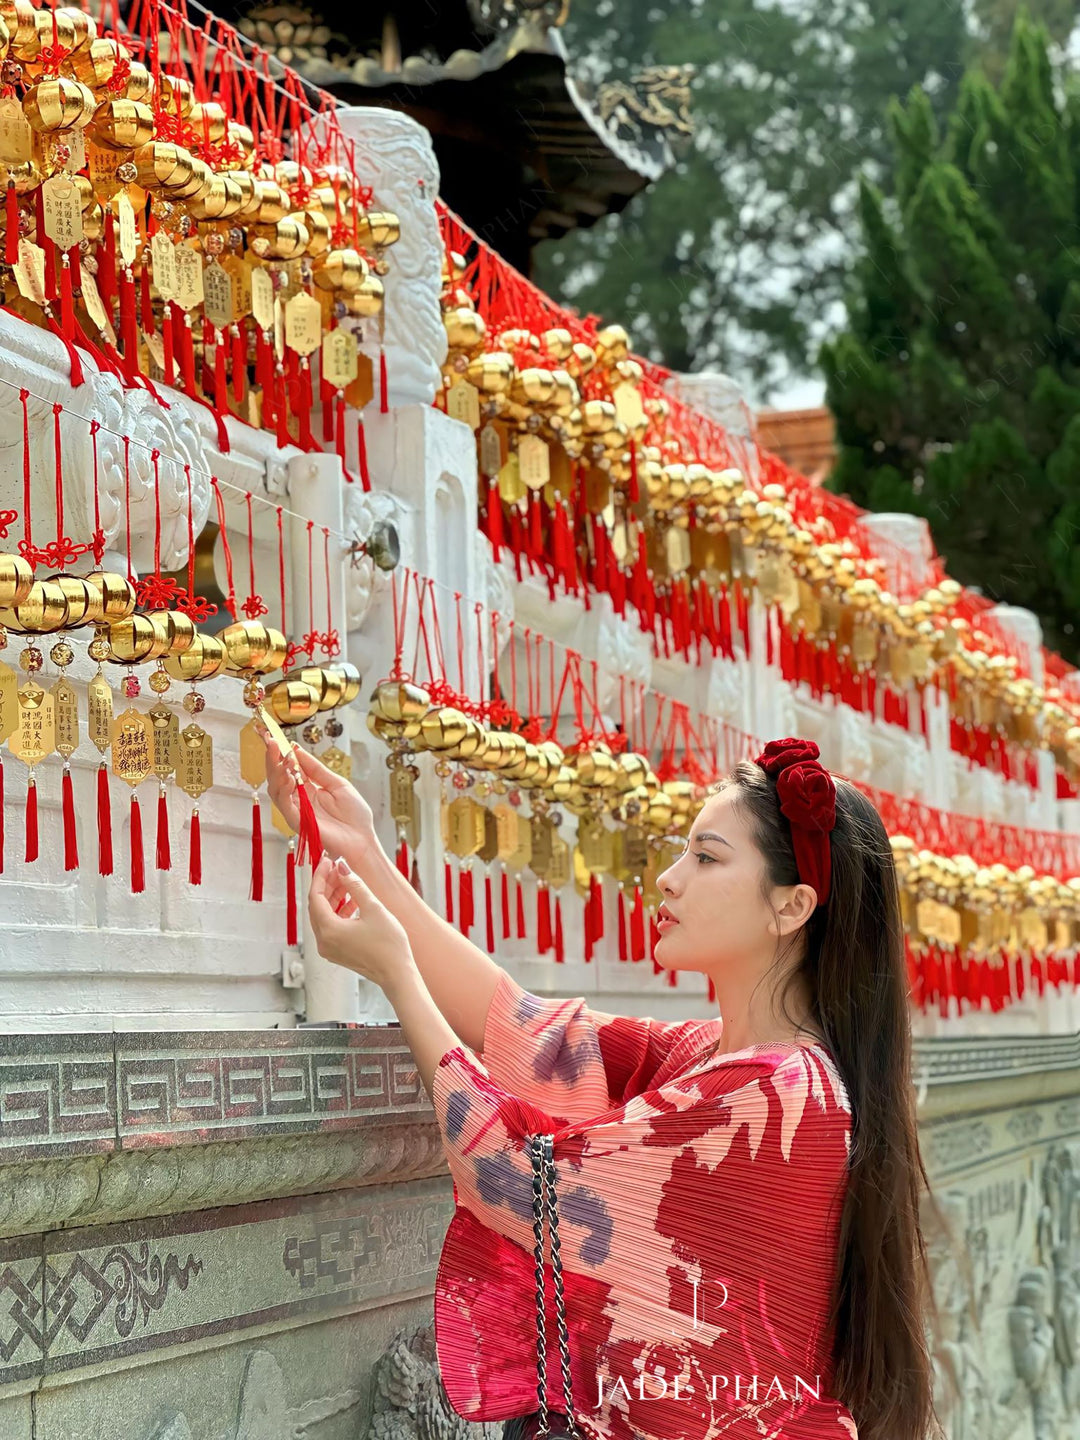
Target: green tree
[
  {"x": 737, "y": 257},
  {"x": 994, "y": 20},
  {"x": 956, "y": 385}
]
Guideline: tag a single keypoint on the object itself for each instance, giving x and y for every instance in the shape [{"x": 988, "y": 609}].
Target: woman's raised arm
[{"x": 459, "y": 975}]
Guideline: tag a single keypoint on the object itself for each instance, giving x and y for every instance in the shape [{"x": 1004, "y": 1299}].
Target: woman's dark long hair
[{"x": 855, "y": 972}]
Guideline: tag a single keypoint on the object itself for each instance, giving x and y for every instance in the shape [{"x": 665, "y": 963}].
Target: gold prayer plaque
[
  {"x": 164, "y": 736},
  {"x": 252, "y": 756},
  {"x": 132, "y": 747},
  {"x": 100, "y": 711},
  {"x": 66, "y": 703},
  {"x": 35, "y": 735},
  {"x": 195, "y": 761},
  {"x": 463, "y": 403}
]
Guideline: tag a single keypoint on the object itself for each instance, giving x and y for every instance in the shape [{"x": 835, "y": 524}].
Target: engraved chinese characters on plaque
[
  {"x": 217, "y": 295},
  {"x": 66, "y": 703},
  {"x": 132, "y": 746},
  {"x": 99, "y": 704},
  {"x": 195, "y": 762},
  {"x": 163, "y": 255},
  {"x": 164, "y": 737},
  {"x": 62, "y": 211},
  {"x": 35, "y": 735}
]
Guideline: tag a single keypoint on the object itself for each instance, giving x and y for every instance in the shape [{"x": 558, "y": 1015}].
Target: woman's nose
[{"x": 664, "y": 881}]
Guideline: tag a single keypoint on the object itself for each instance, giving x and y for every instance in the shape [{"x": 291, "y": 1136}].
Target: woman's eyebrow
[{"x": 709, "y": 835}]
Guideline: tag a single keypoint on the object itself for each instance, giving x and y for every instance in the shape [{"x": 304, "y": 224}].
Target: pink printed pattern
[{"x": 699, "y": 1217}]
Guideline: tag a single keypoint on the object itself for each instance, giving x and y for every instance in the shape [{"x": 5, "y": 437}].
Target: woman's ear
[{"x": 798, "y": 906}]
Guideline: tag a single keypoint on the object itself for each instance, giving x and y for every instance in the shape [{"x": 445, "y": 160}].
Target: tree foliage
[
  {"x": 956, "y": 385},
  {"x": 736, "y": 258}
]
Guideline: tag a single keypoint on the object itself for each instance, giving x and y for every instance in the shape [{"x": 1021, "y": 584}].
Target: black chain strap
[{"x": 542, "y": 1154}]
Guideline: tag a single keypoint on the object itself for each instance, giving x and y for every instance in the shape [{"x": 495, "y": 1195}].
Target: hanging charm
[
  {"x": 66, "y": 705},
  {"x": 132, "y": 761},
  {"x": 99, "y": 698},
  {"x": 253, "y": 773},
  {"x": 33, "y": 738},
  {"x": 195, "y": 775},
  {"x": 165, "y": 741}
]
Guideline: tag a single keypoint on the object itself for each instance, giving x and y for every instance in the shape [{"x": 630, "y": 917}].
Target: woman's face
[{"x": 714, "y": 917}]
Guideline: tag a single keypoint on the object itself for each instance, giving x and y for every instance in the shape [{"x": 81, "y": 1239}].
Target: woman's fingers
[{"x": 313, "y": 769}]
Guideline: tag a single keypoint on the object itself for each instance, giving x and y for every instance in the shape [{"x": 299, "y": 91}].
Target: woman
[{"x": 739, "y": 1196}]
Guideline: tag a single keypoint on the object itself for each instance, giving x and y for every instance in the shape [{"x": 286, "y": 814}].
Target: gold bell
[{"x": 16, "y": 578}]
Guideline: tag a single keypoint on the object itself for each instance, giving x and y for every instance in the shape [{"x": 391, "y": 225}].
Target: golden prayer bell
[
  {"x": 204, "y": 657},
  {"x": 122, "y": 124},
  {"x": 16, "y": 578},
  {"x": 59, "y": 103},
  {"x": 117, "y": 595},
  {"x": 43, "y": 609}
]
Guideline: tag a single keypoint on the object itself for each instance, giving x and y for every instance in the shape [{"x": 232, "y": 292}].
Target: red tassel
[
  {"x": 291, "y": 933},
  {"x": 490, "y": 936},
  {"x": 11, "y": 236},
  {"x": 239, "y": 360},
  {"x": 104, "y": 822},
  {"x": 622, "y": 925},
  {"x": 106, "y": 271},
  {"x": 71, "y": 838},
  {"x": 414, "y": 878},
  {"x": 281, "y": 410},
  {"x": 522, "y": 934},
  {"x": 221, "y": 378},
  {"x": 384, "y": 389},
  {"x": 67, "y": 305},
  {"x": 712, "y": 993},
  {"x": 543, "y": 920},
  {"x": 596, "y": 902},
  {"x": 560, "y": 956},
  {"x": 504, "y": 899},
  {"x": 635, "y": 492},
  {"x": 138, "y": 873},
  {"x": 361, "y": 442},
  {"x": 146, "y": 304},
  {"x": 164, "y": 850},
  {"x": 337, "y": 429},
  {"x": 637, "y": 926},
  {"x": 129, "y": 335},
  {"x": 31, "y": 821},
  {"x": 465, "y": 901},
  {"x": 310, "y": 846},
  {"x": 495, "y": 521},
  {"x": 306, "y": 403},
  {"x": 536, "y": 536},
  {"x": 195, "y": 853},
  {"x": 448, "y": 875},
  {"x": 402, "y": 858},
  {"x": 168, "y": 369},
  {"x": 256, "y": 851}
]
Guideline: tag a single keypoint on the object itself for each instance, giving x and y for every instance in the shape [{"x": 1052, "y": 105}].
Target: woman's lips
[{"x": 664, "y": 919}]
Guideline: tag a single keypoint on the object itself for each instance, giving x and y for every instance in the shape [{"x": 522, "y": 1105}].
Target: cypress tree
[{"x": 956, "y": 384}]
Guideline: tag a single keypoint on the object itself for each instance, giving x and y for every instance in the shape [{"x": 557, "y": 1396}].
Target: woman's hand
[
  {"x": 346, "y": 824},
  {"x": 354, "y": 929}
]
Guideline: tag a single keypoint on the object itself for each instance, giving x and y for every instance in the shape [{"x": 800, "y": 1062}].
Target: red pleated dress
[{"x": 699, "y": 1214}]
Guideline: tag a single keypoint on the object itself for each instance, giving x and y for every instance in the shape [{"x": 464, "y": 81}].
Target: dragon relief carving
[
  {"x": 407, "y": 1402},
  {"x": 654, "y": 103}
]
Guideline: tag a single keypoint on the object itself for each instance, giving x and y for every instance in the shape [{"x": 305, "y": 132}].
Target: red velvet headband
[{"x": 807, "y": 798}]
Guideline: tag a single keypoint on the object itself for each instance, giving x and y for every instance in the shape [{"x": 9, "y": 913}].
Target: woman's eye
[{"x": 701, "y": 855}]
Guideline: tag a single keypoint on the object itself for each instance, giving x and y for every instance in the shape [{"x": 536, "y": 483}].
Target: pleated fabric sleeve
[{"x": 573, "y": 1061}]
